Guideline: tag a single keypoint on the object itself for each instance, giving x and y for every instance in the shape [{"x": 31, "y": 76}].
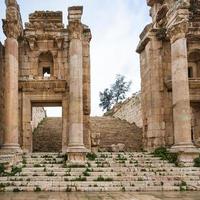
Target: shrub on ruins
[
  {"x": 91, "y": 156},
  {"x": 15, "y": 170},
  {"x": 115, "y": 94},
  {"x": 2, "y": 169},
  {"x": 197, "y": 162},
  {"x": 164, "y": 154}
]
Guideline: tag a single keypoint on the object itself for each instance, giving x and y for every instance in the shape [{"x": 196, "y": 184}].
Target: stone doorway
[{"x": 47, "y": 127}]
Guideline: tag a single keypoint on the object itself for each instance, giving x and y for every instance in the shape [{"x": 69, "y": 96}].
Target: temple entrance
[{"x": 47, "y": 127}]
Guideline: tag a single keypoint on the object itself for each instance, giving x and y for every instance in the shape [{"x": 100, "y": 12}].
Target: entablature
[{"x": 56, "y": 86}]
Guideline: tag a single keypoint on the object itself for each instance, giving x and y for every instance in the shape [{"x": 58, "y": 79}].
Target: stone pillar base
[
  {"x": 77, "y": 155},
  {"x": 10, "y": 155},
  {"x": 11, "y": 148},
  {"x": 186, "y": 154}
]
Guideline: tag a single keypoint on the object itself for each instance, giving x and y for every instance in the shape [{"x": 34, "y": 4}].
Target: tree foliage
[
  {"x": 106, "y": 98},
  {"x": 115, "y": 94}
]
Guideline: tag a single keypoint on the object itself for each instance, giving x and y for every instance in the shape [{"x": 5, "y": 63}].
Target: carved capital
[
  {"x": 178, "y": 30},
  {"x": 75, "y": 30},
  {"x": 12, "y": 25}
]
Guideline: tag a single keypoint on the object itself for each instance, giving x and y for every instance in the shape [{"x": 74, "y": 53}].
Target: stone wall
[
  {"x": 129, "y": 110},
  {"x": 108, "y": 131},
  {"x": 169, "y": 62},
  {"x": 38, "y": 114},
  {"x": 1, "y": 91}
]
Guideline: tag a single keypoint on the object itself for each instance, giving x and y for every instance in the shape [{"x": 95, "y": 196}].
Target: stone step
[{"x": 93, "y": 188}]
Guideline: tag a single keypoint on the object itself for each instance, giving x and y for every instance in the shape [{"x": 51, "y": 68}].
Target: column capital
[
  {"x": 12, "y": 25},
  {"x": 75, "y": 30},
  {"x": 178, "y": 30}
]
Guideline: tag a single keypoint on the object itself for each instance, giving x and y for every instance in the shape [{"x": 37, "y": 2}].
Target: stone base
[
  {"x": 186, "y": 154},
  {"x": 77, "y": 155},
  {"x": 10, "y": 148}
]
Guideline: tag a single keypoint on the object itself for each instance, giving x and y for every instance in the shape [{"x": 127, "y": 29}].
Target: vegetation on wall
[
  {"x": 197, "y": 162},
  {"x": 164, "y": 154}
]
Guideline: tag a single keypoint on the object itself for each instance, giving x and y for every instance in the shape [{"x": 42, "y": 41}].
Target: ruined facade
[
  {"x": 46, "y": 64},
  {"x": 169, "y": 59}
]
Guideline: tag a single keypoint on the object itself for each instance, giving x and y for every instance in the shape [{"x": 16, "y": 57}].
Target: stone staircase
[
  {"x": 114, "y": 131},
  {"x": 130, "y": 171},
  {"x": 47, "y": 137}
]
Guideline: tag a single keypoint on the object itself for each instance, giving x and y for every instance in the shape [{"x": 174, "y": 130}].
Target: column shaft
[
  {"x": 181, "y": 97},
  {"x": 76, "y": 94},
  {"x": 11, "y": 94}
]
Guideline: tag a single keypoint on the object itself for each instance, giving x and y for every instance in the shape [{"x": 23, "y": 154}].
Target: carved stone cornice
[
  {"x": 178, "y": 30},
  {"x": 12, "y": 25},
  {"x": 45, "y": 20},
  {"x": 152, "y": 2},
  {"x": 75, "y": 30}
]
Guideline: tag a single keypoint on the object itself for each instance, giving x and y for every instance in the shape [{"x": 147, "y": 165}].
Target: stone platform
[
  {"x": 101, "y": 196},
  {"x": 108, "y": 172}
]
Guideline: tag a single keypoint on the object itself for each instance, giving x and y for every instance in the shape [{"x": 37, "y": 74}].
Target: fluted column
[
  {"x": 13, "y": 29},
  {"x": 180, "y": 92},
  {"x": 76, "y": 149}
]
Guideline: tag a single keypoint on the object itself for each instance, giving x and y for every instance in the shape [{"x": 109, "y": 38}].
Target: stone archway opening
[
  {"x": 47, "y": 127},
  {"x": 45, "y": 64}
]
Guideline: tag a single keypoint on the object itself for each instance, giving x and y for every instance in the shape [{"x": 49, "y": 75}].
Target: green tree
[
  {"x": 115, "y": 94},
  {"x": 106, "y": 98},
  {"x": 120, "y": 88}
]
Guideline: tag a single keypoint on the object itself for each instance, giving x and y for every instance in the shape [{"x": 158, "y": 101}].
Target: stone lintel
[
  {"x": 56, "y": 85},
  {"x": 75, "y": 13},
  {"x": 194, "y": 83}
]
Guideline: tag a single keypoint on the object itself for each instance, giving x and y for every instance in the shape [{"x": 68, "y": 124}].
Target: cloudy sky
[{"x": 115, "y": 26}]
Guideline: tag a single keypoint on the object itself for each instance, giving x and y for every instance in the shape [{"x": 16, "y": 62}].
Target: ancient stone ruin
[
  {"x": 169, "y": 60},
  {"x": 46, "y": 63},
  {"x": 45, "y": 47}
]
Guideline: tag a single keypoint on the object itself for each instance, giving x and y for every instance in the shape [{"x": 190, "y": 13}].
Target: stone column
[
  {"x": 180, "y": 93},
  {"x": 11, "y": 95},
  {"x": 13, "y": 29},
  {"x": 76, "y": 150}
]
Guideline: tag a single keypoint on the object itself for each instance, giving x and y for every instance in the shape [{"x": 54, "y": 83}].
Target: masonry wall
[
  {"x": 1, "y": 92},
  {"x": 38, "y": 114},
  {"x": 130, "y": 110}
]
